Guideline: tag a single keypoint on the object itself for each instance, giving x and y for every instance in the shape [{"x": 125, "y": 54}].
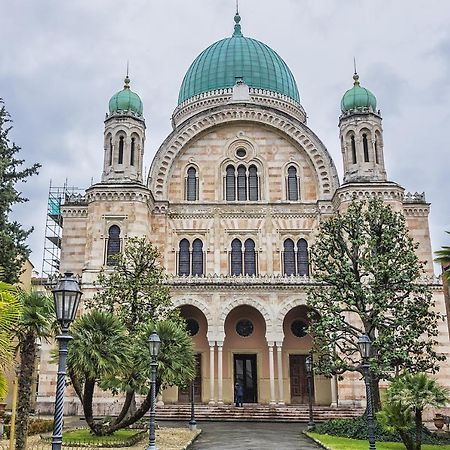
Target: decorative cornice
[
  {"x": 119, "y": 192},
  {"x": 207, "y": 100},
  {"x": 320, "y": 158},
  {"x": 415, "y": 197},
  {"x": 74, "y": 211}
]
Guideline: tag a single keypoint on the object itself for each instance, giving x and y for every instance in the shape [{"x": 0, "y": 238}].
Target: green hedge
[
  {"x": 35, "y": 426},
  {"x": 357, "y": 429}
]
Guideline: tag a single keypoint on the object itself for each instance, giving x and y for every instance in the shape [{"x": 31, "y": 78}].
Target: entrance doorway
[
  {"x": 185, "y": 394},
  {"x": 299, "y": 381},
  {"x": 245, "y": 374}
]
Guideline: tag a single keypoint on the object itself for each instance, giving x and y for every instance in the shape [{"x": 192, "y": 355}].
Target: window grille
[
  {"x": 230, "y": 182},
  {"x": 113, "y": 245},
  {"x": 197, "y": 257},
  {"x": 253, "y": 183},
  {"x": 289, "y": 257},
  {"x": 184, "y": 258},
  {"x": 249, "y": 257},
  {"x": 236, "y": 257},
  {"x": 292, "y": 184},
  {"x": 191, "y": 185},
  {"x": 302, "y": 257},
  {"x": 242, "y": 183}
]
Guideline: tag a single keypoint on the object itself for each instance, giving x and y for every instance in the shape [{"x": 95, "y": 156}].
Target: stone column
[
  {"x": 271, "y": 375},
  {"x": 211, "y": 372},
  {"x": 280, "y": 374},
  {"x": 334, "y": 391},
  {"x": 219, "y": 373}
]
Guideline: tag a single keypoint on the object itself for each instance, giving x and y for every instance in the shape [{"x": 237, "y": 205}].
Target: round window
[
  {"x": 241, "y": 152},
  {"x": 192, "y": 326},
  {"x": 244, "y": 328},
  {"x": 299, "y": 328}
]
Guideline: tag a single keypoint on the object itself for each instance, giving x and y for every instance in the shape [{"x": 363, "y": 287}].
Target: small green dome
[
  {"x": 238, "y": 58},
  {"x": 358, "y": 97},
  {"x": 126, "y": 100}
]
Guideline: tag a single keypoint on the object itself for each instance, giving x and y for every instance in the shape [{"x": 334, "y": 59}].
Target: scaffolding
[{"x": 57, "y": 197}]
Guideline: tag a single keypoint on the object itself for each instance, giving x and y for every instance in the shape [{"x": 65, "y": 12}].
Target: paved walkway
[{"x": 252, "y": 436}]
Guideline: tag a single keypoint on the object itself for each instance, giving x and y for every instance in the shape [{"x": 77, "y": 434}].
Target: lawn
[
  {"x": 340, "y": 443},
  {"x": 83, "y": 435}
]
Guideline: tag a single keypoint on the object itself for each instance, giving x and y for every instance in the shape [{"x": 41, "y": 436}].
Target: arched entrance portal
[
  {"x": 197, "y": 326},
  {"x": 297, "y": 346},
  {"x": 246, "y": 360}
]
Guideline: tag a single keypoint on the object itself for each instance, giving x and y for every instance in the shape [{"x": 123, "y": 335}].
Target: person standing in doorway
[{"x": 238, "y": 394}]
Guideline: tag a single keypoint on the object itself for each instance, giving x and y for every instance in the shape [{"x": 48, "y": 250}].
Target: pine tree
[{"x": 13, "y": 249}]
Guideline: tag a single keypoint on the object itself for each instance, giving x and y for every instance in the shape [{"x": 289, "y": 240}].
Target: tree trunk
[
  {"x": 88, "y": 396},
  {"x": 418, "y": 420},
  {"x": 376, "y": 399},
  {"x": 27, "y": 362},
  {"x": 125, "y": 408},
  {"x": 407, "y": 440}
]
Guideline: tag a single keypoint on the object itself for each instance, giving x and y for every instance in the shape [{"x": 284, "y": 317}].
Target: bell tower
[
  {"x": 361, "y": 136},
  {"x": 124, "y": 138}
]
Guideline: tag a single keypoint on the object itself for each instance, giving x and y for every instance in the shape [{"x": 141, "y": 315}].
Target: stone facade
[{"x": 241, "y": 128}]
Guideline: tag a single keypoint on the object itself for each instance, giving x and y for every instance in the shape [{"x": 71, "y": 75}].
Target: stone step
[{"x": 255, "y": 413}]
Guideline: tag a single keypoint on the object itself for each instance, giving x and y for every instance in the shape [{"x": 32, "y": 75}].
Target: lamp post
[
  {"x": 365, "y": 346},
  {"x": 309, "y": 374},
  {"x": 67, "y": 298},
  {"x": 154, "y": 343},
  {"x": 192, "y": 422}
]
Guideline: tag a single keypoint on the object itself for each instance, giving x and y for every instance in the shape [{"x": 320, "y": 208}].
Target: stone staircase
[{"x": 255, "y": 413}]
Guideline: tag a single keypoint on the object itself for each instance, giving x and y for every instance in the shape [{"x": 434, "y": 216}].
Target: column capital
[
  {"x": 219, "y": 344},
  {"x": 212, "y": 343}
]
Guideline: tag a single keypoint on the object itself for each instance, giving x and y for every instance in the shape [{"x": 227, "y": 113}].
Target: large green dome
[
  {"x": 358, "y": 97},
  {"x": 238, "y": 57},
  {"x": 126, "y": 100}
]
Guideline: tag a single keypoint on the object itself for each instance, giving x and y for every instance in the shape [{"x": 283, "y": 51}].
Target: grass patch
[
  {"x": 120, "y": 438},
  {"x": 340, "y": 443}
]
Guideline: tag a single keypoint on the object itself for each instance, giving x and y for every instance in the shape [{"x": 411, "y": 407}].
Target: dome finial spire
[
  {"x": 127, "y": 78},
  {"x": 237, "y": 19},
  {"x": 355, "y": 75}
]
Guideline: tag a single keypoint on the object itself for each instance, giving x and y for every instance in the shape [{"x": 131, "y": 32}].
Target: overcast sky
[{"x": 61, "y": 61}]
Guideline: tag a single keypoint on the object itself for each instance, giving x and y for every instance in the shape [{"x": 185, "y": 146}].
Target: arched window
[
  {"x": 230, "y": 184},
  {"x": 292, "y": 183},
  {"x": 365, "y": 148},
  {"x": 236, "y": 257},
  {"x": 197, "y": 257},
  {"x": 253, "y": 184},
  {"x": 132, "y": 151},
  {"x": 120, "y": 159},
  {"x": 289, "y": 257},
  {"x": 184, "y": 258},
  {"x": 302, "y": 258},
  {"x": 352, "y": 139},
  {"x": 376, "y": 150},
  {"x": 110, "y": 152},
  {"x": 113, "y": 245},
  {"x": 242, "y": 183},
  {"x": 191, "y": 184},
  {"x": 249, "y": 257}
]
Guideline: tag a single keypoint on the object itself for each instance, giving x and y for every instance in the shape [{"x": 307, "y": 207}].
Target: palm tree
[
  {"x": 410, "y": 394},
  {"x": 10, "y": 309},
  {"x": 37, "y": 322},
  {"x": 443, "y": 257}
]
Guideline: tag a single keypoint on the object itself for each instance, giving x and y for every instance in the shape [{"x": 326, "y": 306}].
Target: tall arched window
[
  {"x": 365, "y": 148},
  {"x": 121, "y": 143},
  {"x": 292, "y": 183},
  {"x": 236, "y": 257},
  {"x": 376, "y": 150},
  {"x": 249, "y": 257},
  {"x": 184, "y": 258},
  {"x": 253, "y": 184},
  {"x": 242, "y": 183},
  {"x": 113, "y": 245},
  {"x": 191, "y": 184},
  {"x": 353, "y": 144},
  {"x": 197, "y": 257},
  {"x": 230, "y": 184},
  {"x": 110, "y": 152},
  {"x": 132, "y": 151},
  {"x": 289, "y": 257},
  {"x": 302, "y": 258}
]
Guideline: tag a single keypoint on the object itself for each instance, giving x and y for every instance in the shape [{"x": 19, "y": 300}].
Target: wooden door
[
  {"x": 185, "y": 394},
  {"x": 299, "y": 381}
]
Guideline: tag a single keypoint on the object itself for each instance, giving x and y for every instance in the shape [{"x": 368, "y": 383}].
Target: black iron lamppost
[
  {"x": 154, "y": 344},
  {"x": 192, "y": 422},
  {"x": 309, "y": 375},
  {"x": 67, "y": 298},
  {"x": 365, "y": 346}
]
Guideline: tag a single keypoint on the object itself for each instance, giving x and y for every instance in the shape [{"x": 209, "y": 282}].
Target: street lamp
[
  {"x": 365, "y": 347},
  {"x": 192, "y": 422},
  {"x": 309, "y": 375},
  {"x": 154, "y": 343},
  {"x": 67, "y": 298}
]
